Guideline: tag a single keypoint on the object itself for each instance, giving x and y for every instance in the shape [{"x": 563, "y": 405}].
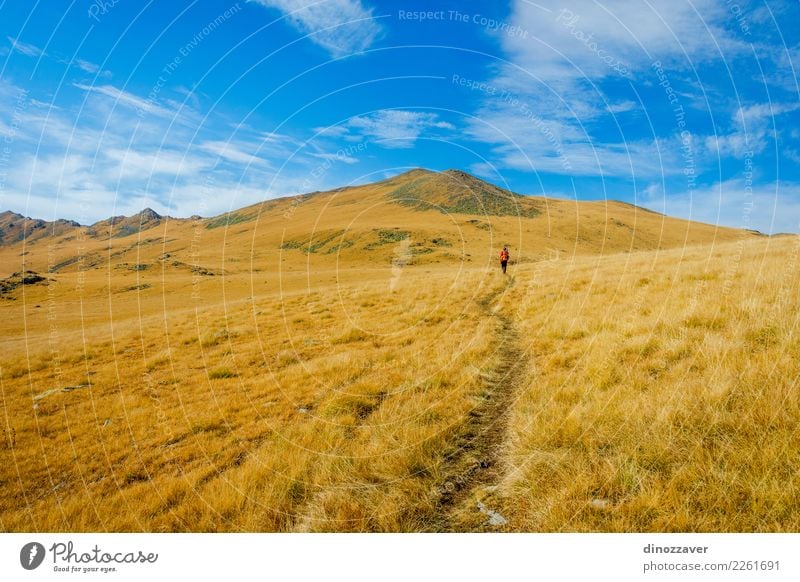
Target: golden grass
[
  {"x": 657, "y": 400},
  {"x": 264, "y": 414},
  {"x": 664, "y": 395},
  {"x": 261, "y": 378}
]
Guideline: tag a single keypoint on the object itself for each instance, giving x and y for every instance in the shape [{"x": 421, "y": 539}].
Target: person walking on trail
[{"x": 504, "y": 258}]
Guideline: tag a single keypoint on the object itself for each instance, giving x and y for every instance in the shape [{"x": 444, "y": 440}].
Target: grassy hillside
[
  {"x": 355, "y": 361},
  {"x": 448, "y": 218}
]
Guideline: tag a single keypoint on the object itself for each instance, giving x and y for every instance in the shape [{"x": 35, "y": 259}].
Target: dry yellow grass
[
  {"x": 330, "y": 363},
  {"x": 283, "y": 412},
  {"x": 664, "y": 394}
]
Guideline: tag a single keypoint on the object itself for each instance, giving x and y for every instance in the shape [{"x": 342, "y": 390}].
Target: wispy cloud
[
  {"x": 95, "y": 160},
  {"x": 768, "y": 208},
  {"x": 23, "y": 48},
  {"x": 340, "y": 26},
  {"x": 152, "y": 162},
  {"x": 578, "y": 39},
  {"x": 231, "y": 152},
  {"x": 128, "y": 99},
  {"x": 622, "y": 107},
  {"x": 395, "y": 128},
  {"x": 338, "y": 157},
  {"x": 89, "y": 67},
  {"x": 522, "y": 139},
  {"x": 753, "y": 126},
  {"x": 30, "y": 50},
  {"x": 332, "y": 131},
  {"x": 576, "y": 53},
  {"x": 86, "y": 66}
]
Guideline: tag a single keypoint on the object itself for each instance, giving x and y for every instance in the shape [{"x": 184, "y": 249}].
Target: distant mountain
[{"x": 15, "y": 227}]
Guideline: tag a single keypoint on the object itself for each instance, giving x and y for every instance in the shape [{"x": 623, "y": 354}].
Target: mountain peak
[
  {"x": 10, "y": 215},
  {"x": 413, "y": 173},
  {"x": 120, "y": 226},
  {"x": 468, "y": 179},
  {"x": 147, "y": 214},
  {"x": 456, "y": 191},
  {"x": 458, "y": 173}
]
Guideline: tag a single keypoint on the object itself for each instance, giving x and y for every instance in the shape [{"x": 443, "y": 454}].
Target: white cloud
[
  {"x": 124, "y": 98},
  {"x": 43, "y": 105},
  {"x": 230, "y": 151},
  {"x": 54, "y": 186},
  {"x": 792, "y": 154},
  {"x": 622, "y": 107},
  {"x": 557, "y": 74},
  {"x": 26, "y": 49},
  {"x": 340, "y": 26},
  {"x": 190, "y": 96},
  {"x": 337, "y": 157},
  {"x": 331, "y": 131},
  {"x": 395, "y": 128},
  {"x": 228, "y": 193},
  {"x": 95, "y": 160},
  {"x": 754, "y": 126},
  {"x": 30, "y": 50},
  {"x": 87, "y": 66},
  {"x": 575, "y": 39},
  {"x": 770, "y": 208},
  {"x": 84, "y": 188},
  {"x": 140, "y": 163},
  {"x": 522, "y": 139},
  {"x": 271, "y": 136}
]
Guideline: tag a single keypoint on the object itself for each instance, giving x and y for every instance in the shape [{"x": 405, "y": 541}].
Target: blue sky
[{"x": 688, "y": 108}]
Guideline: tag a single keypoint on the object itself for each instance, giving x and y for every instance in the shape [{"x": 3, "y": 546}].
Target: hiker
[{"x": 504, "y": 258}]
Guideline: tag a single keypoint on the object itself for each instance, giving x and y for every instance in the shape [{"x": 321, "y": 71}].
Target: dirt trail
[
  {"x": 475, "y": 461},
  {"x": 477, "y": 448}
]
